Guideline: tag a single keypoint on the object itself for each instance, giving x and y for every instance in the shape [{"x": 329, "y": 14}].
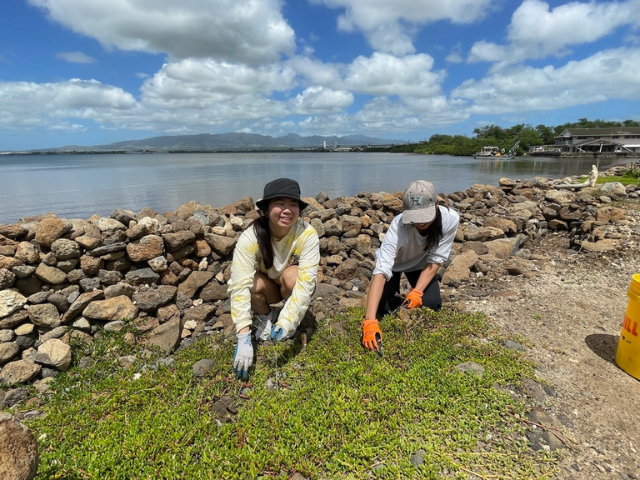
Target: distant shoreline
[{"x": 296, "y": 150}]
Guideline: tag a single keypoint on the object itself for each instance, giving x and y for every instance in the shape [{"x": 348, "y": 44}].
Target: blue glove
[
  {"x": 243, "y": 357},
  {"x": 279, "y": 334}
]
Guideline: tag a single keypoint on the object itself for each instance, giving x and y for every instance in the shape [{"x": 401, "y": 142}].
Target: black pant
[{"x": 430, "y": 298}]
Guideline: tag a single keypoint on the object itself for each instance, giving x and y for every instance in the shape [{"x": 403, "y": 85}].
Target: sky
[{"x": 90, "y": 72}]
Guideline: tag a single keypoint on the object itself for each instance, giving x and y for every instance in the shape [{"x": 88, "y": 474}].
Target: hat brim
[
  {"x": 263, "y": 203},
  {"x": 421, "y": 215}
]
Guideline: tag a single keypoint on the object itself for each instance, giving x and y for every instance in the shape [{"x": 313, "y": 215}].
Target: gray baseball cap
[{"x": 420, "y": 200}]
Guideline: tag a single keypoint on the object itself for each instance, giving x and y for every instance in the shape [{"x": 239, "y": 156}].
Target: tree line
[{"x": 504, "y": 138}]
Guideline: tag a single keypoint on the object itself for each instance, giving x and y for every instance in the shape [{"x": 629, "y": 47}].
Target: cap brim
[{"x": 422, "y": 215}]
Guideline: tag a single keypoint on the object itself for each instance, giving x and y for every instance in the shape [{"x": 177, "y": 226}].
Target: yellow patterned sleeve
[
  {"x": 243, "y": 269},
  {"x": 307, "y": 248}
]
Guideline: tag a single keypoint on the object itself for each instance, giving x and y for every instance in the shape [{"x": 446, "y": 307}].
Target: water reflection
[{"x": 80, "y": 185}]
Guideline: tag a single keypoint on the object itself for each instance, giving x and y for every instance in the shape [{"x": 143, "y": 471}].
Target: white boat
[{"x": 491, "y": 151}]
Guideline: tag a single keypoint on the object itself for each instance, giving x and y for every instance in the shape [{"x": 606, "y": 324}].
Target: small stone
[
  {"x": 471, "y": 367},
  {"x": 8, "y": 350},
  {"x": 26, "y": 329},
  {"x": 511, "y": 345},
  {"x": 10, "y": 301},
  {"x": 82, "y": 324},
  {"x": 114, "y": 326},
  {"x": 417, "y": 458},
  {"x": 7, "y": 335},
  {"x": 12, "y": 397},
  {"x": 203, "y": 368},
  {"x": 57, "y": 332}
]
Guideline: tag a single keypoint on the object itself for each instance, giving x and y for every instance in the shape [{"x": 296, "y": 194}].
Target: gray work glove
[{"x": 243, "y": 357}]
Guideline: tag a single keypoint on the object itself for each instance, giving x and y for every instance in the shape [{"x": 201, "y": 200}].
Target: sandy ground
[{"x": 569, "y": 316}]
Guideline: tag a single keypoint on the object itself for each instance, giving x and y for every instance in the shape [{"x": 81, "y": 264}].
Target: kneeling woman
[
  {"x": 276, "y": 258},
  {"x": 418, "y": 241}
]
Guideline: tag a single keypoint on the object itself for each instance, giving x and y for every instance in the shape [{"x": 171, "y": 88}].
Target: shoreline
[{"x": 46, "y": 214}]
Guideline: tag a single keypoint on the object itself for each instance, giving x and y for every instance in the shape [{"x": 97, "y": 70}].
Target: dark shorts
[{"x": 430, "y": 298}]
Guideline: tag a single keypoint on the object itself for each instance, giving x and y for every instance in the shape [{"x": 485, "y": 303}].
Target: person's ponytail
[
  {"x": 263, "y": 234},
  {"x": 434, "y": 232}
]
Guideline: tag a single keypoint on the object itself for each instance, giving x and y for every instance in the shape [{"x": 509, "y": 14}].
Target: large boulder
[
  {"x": 10, "y": 301},
  {"x": 44, "y": 315},
  {"x": 220, "y": 244},
  {"x": 77, "y": 307},
  {"x": 193, "y": 282},
  {"x": 459, "y": 268},
  {"x": 51, "y": 275},
  {"x": 27, "y": 252},
  {"x": 117, "y": 308},
  {"x": 166, "y": 336},
  {"x": 20, "y": 371},
  {"x": 51, "y": 229},
  {"x": 64, "y": 249},
  {"x": 18, "y": 450},
  {"x": 152, "y": 299},
  {"x": 54, "y": 353},
  {"x": 146, "y": 248}
]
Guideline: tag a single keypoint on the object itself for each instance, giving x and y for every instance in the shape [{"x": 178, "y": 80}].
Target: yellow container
[{"x": 628, "y": 354}]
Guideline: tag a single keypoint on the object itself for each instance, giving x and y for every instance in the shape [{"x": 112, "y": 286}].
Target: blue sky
[{"x": 88, "y": 72}]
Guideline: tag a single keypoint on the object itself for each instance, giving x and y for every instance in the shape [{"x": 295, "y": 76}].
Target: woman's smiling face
[{"x": 283, "y": 212}]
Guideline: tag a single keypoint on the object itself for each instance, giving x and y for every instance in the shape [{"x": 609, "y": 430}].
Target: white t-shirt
[{"x": 402, "y": 248}]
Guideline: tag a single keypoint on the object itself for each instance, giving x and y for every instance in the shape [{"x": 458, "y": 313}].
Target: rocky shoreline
[{"x": 64, "y": 280}]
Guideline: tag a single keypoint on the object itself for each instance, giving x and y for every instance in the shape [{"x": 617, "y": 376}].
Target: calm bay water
[{"x": 78, "y": 186}]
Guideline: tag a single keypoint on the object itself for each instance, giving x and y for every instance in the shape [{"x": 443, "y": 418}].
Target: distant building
[{"x": 622, "y": 140}]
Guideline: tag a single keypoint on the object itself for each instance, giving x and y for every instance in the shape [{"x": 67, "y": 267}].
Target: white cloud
[
  {"x": 197, "y": 83},
  {"x": 321, "y": 100},
  {"x": 455, "y": 55},
  {"x": 67, "y": 127},
  {"x": 248, "y": 31},
  {"x": 395, "y": 38},
  {"x": 383, "y": 74},
  {"x": 75, "y": 57},
  {"x": 488, "y": 52},
  {"x": 29, "y": 105},
  {"x": 610, "y": 74},
  {"x": 380, "y": 74},
  {"x": 387, "y": 24},
  {"x": 537, "y": 31}
]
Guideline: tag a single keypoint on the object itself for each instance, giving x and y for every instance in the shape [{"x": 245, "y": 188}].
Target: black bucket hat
[{"x": 281, "y": 187}]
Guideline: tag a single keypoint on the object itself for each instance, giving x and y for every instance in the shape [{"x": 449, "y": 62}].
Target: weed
[{"x": 337, "y": 411}]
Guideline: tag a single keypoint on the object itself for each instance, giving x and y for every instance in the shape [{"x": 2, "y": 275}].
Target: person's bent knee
[
  {"x": 288, "y": 281},
  {"x": 264, "y": 288}
]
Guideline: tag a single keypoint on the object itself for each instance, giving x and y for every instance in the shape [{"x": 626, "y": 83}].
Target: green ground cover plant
[
  {"x": 630, "y": 177},
  {"x": 327, "y": 410}
]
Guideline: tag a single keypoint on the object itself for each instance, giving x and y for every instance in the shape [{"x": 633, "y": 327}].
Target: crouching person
[
  {"x": 418, "y": 241},
  {"x": 275, "y": 259}
]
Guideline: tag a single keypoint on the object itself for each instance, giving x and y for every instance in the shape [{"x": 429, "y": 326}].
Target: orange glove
[
  {"x": 372, "y": 336},
  {"x": 414, "y": 299}
]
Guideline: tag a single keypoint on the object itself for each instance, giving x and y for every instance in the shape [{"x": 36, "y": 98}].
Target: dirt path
[{"x": 569, "y": 316}]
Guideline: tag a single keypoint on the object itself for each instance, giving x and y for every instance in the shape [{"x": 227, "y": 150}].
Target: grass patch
[
  {"x": 333, "y": 410},
  {"x": 630, "y": 177}
]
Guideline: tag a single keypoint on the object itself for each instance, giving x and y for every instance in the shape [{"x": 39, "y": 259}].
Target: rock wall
[{"x": 64, "y": 279}]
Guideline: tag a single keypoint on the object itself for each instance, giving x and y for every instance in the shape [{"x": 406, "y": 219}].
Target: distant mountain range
[{"x": 228, "y": 142}]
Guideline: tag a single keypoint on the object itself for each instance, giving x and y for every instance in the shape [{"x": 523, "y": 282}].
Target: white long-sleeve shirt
[
  {"x": 300, "y": 245},
  {"x": 402, "y": 248}
]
